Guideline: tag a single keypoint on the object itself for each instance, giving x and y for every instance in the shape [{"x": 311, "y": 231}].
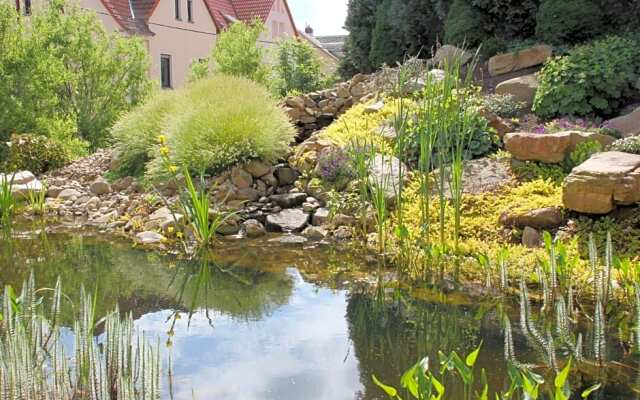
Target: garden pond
[{"x": 258, "y": 320}]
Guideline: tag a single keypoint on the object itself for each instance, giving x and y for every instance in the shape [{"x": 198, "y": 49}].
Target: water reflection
[
  {"x": 302, "y": 350},
  {"x": 244, "y": 324}
]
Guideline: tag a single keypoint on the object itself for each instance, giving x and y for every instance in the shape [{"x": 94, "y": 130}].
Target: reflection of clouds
[{"x": 297, "y": 352}]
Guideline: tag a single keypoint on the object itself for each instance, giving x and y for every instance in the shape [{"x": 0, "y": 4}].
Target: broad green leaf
[{"x": 391, "y": 391}]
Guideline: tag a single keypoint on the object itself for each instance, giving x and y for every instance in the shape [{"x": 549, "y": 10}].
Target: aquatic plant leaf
[
  {"x": 473, "y": 357},
  {"x": 590, "y": 390},
  {"x": 408, "y": 380},
  {"x": 438, "y": 386},
  {"x": 561, "y": 378},
  {"x": 389, "y": 390}
]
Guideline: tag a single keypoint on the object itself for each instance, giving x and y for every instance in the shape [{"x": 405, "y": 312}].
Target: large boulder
[
  {"x": 510, "y": 62},
  {"x": 385, "y": 172},
  {"x": 548, "y": 217},
  {"x": 602, "y": 182},
  {"x": 289, "y": 200},
  {"x": 289, "y": 220},
  {"x": 448, "y": 54},
  {"x": 100, "y": 187},
  {"x": 18, "y": 178},
  {"x": 22, "y": 190},
  {"x": 163, "y": 219},
  {"x": 149, "y": 238},
  {"x": 627, "y": 125},
  {"x": 522, "y": 88},
  {"x": 549, "y": 147}
]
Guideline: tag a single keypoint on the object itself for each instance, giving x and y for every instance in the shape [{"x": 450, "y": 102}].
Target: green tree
[
  {"x": 297, "y": 68},
  {"x": 63, "y": 74},
  {"x": 361, "y": 19},
  {"x": 569, "y": 21},
  {"x": 509, "y": 19},
  {"x": 464, "y": 25},
  {"x": 237, "y": 52},
  {"x": 420, "y": 25},
  {"x": 387, "y": 44}
]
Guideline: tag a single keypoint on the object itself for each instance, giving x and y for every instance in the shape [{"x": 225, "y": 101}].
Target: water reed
[{"x": 36, "y": 365}]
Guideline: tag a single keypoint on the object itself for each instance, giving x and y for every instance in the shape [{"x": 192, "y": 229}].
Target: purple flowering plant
[{"x": 334, "y": 166}]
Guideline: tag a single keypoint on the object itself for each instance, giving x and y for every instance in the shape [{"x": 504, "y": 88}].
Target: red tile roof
[
  {"x": 247, "y": 10},
  {"x": 133, "y": 15}
]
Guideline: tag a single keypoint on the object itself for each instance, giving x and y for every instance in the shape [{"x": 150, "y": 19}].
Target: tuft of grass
[
  {"x": 211, "y": 124},
  {"x": 36, "y": 200}
]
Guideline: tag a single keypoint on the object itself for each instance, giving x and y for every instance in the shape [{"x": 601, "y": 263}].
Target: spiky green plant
[
  {"x": 34, "y": 364},
  {"x": 360, "y": 162},
  {"x": 36, "y": 200},
  {"x": 7, "y": 201}
]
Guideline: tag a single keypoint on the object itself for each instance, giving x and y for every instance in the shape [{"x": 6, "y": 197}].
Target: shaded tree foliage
[
  {"x": 361, "y": 20},
  {"x": 387, "y": 31}
]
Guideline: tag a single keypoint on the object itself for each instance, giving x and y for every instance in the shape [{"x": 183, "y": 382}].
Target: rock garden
[{"x": 509, "y": 178}]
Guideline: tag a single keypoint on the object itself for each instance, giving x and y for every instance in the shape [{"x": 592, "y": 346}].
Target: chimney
[{"x": 308, "y": 30}]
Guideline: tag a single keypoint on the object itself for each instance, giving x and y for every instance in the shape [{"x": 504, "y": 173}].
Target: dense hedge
[{"x": 596, "y": 78}]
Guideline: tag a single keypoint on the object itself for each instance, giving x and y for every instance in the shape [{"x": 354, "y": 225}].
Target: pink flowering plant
[{"x": 578, "y": 124}]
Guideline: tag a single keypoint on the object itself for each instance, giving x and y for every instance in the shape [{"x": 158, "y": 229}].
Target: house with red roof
[{"x": 179, "y": 32}]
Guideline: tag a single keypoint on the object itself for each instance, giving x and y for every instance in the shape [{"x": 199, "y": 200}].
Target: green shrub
[
  {"x": 237, "y": 52},
  {"x": 35, "y": 153},
  {"x": 626, "y": 145},
  {"x": 63, "y": 65},
  {"x": 568, "y": 21},
  {"x": 481, "y": 138},
  {"x": 504, "y": 105},
  {"x": 297, "y": 68},
  {"x": 136, "y": 133},
  {"x": 199, "y": 69},
  {"x": 593, "y": 79},
  {"x": 209, "y": 125},
  {"x": 492, "y": 46},
  {"x": 581, "y": 153},
  {"x": 530, "y": 171},
  {"x": 464, "y": 25}
]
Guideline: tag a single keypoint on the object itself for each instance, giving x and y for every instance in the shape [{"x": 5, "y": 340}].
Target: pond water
[{"x": 256, "y": 320}]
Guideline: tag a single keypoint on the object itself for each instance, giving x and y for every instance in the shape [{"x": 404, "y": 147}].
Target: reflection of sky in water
[{"x": 300, "y": 351}]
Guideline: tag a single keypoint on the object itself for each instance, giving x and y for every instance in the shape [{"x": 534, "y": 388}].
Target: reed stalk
[{"x": 34, "y": 364}]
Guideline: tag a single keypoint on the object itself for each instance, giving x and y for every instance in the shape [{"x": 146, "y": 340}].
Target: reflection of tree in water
[
  {"x": 390, "y": 336},
  {"x": 243, "y": 293},
  {"x": 139, "y": 281}
]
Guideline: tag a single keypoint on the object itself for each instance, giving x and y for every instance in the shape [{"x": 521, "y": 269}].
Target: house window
[
  {"x": 177, "y": 5},
  {"x": 27, "y": 7},
  {"x": 190, "y": 10},
  {"x": 165, "y": 71},
  {"x": 274, "y": 29}
]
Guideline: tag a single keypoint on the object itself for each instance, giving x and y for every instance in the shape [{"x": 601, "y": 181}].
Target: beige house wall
[
  {"x": 184, "y": 41},
  {"x": 278, "y": 25}
]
